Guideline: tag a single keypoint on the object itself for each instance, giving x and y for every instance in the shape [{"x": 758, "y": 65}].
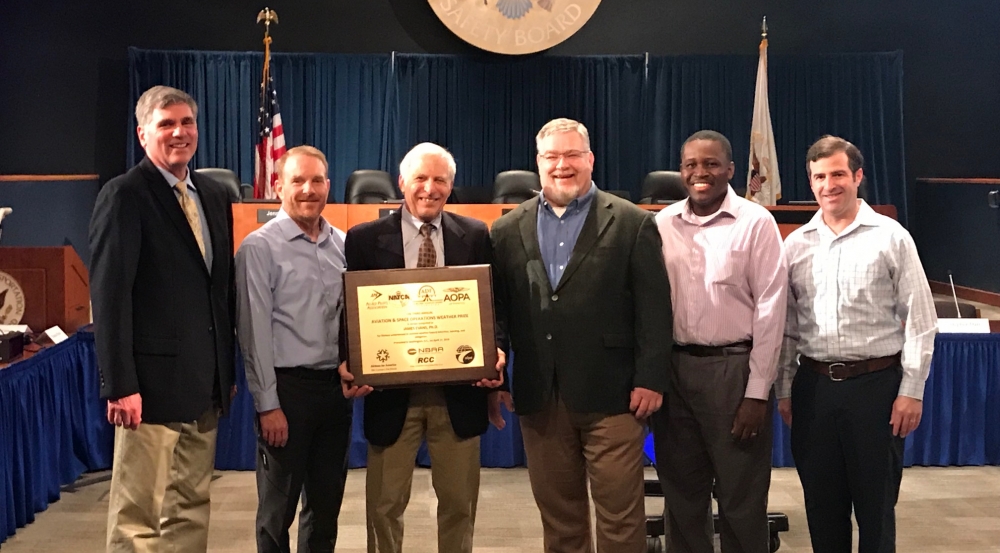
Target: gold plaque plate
[{"x": 420, "y": 326}]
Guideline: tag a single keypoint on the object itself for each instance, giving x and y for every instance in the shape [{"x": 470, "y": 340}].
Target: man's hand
[
  {"x": 493, "y": 402},
  {"x": 645, "y": 402},
  {"x": 906, "y": 413},
  {"x": 274, "y": 427},
  {"x": 232, "y": 393},
  {"x": 349, "y": 389},
  {"x": 501, "y": 364},
  {"x": 749, "y": 419},
  {"x": 125, "y": 411},
  {"x": 785, "y": 410}
]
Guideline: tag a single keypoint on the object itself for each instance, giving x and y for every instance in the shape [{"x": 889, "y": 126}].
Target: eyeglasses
[{"x": 570, "y": 156}]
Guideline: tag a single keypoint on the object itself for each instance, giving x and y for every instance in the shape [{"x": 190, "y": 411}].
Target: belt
[
  {"x": 842, "y": 370},
  {"x": 698, "y": 350},
  {"x": 309, "y": 374}
]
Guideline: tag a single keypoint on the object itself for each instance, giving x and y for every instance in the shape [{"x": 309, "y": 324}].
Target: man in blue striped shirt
[{"x": 289, "y": 285}]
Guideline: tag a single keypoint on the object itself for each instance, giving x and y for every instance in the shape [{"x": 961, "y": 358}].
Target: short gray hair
[
  {"x": 417, "y": 154},
  {"x": 160, "y": 97},
  {"x": 562, "y": 125}
]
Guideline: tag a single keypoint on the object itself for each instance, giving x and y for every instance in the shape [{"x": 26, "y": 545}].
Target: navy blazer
[
  {"x": 163, "y": 324},
  {"x": 379, "y": 245}
]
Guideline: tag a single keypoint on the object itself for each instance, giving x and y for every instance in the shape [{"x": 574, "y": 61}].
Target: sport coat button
[
  {"x": 555, "y": 297},
  {"x": 211, "y": 328},
  {"x": 548, "y": 336}
]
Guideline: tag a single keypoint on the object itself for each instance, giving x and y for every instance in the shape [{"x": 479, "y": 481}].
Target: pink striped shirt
[{"x": 728, "y": 281}]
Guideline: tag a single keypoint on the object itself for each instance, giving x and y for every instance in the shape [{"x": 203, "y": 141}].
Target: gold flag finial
[
  {"x": 763, "y": 27},
  {"x": 268, "y": 16}
]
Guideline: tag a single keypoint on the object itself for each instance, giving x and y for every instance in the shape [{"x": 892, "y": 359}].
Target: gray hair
[
  {"x": 562, "y": 125},
  {"x": 160, "y": 97},
  {"x": 417, "y": 154}
]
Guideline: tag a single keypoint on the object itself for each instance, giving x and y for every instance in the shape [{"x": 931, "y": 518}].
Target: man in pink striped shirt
[{"x": 728, "y": 285}]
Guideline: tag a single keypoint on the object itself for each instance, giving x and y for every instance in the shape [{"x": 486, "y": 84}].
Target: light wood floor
[{"x": 940, "y": 510}]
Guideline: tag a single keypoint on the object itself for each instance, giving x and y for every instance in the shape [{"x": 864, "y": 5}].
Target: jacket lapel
[
  {"x": 528, "y": 226},
  {"x": 456, "y": 250},
  {"x": 164, "y": 194},
  {"x": 390, "y": 242},
  {"x": 214, "y": 214},
  {"x": 598, "y": 220}
]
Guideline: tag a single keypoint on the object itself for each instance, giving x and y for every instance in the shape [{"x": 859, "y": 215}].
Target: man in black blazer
[
  {"x": 583, "y": 296},
  {"x": 451, "y": 418},
  {"x": 161, "y": 281}
]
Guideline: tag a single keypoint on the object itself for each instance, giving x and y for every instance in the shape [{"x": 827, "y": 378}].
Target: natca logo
[
  {"x": 465, "y": 354},
  {"x": 11, "y": 300},
  {"x": 382, "y": 355},
  {"x": 456, "y": 294},
  {"x": 399, "y": 296}
]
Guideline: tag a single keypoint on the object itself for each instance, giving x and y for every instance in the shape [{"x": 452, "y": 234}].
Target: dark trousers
[
  {"x": 695, "y": 451},
  {"x": 313, "y": 463},
  {"x": 848, "y": 458}
]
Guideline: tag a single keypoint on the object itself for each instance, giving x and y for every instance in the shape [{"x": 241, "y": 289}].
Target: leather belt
[
  {"x": 838, "y": 370},
  {"x": 698, "y": 350}
]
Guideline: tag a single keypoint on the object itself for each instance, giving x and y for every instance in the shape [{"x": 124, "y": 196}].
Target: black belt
[
  {"x": 697, "y": 350},
  {"x": 838, "y": 370},
  {"x": 309, "y": 374}
]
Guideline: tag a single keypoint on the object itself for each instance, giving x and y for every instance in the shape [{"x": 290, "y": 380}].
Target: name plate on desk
[
  {"x": 963, "y": 326},
  {"x": 265, "y": 215},
  {"x": 420, "y": 326}
]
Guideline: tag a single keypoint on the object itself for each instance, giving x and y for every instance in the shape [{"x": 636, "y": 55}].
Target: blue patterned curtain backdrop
[{"x": 366, "y": 111}]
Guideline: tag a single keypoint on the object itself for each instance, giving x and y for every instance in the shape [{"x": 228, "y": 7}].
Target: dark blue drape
[
  {"x": 366, "y": 111},
  {"x": 52, "y": 428}
]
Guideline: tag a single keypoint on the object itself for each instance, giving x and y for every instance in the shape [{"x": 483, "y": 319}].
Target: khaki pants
[
  {"x": 564, "y": 451},
  {"x": 160, "y": 487},
  {"x": 454, "y": 475}
]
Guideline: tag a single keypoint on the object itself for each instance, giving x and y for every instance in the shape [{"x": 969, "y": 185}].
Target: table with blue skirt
[{"x": 53, "y": 427}]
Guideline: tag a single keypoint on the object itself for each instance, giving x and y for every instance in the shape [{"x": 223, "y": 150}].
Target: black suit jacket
[
  {"x": 605, "y": 329},
  {"x": 163, "y": 323},
  {"x": 379, "y": 245}
]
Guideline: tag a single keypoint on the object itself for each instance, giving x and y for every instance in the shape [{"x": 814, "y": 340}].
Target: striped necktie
[{"x": 191, "y": 213}]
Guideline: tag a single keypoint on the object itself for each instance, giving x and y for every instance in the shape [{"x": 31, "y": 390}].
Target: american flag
[{"x": 270, "y": 139}]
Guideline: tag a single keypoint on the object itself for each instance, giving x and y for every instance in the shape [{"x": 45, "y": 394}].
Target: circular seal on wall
[
  {"x": 514, "y": 26},
  {"x": 11, "y": 300}
]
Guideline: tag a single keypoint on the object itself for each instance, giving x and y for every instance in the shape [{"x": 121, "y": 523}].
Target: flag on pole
[
  {"x": 763, "y": 181},
  {"x": 270, "y": 139}
]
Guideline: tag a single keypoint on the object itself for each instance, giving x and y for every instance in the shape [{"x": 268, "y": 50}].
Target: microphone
[
  {"x": 954, "y": 296},
  {"x": 4, "y": 211}
]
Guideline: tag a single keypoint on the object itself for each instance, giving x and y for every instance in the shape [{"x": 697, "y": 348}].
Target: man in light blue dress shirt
[{"x": 289, "y": 285}]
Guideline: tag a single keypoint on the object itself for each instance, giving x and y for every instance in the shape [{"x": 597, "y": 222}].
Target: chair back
[
  {"x": 370, "y": 186},
  {"x": 514, "y": 187},
  {"x": 661, "y": 187},
  {"x": 226, "y": 178}
]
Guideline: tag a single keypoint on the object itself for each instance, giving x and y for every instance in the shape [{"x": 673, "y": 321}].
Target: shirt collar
[
  {"x": 172, "y": 180},
  {"x": 290, "y": 229},
  {"x": 416, "y": 222},
  {"x": 581, "y": 202},
  {"x": 729, "y": 207},
  {"x": 866, "y": 217}
]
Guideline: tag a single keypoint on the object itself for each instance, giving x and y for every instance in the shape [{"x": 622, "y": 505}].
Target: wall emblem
[{"x": 11, "y": 300}]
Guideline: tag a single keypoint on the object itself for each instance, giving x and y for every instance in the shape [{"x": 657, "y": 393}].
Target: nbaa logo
[{"x": 465, "y": 354}]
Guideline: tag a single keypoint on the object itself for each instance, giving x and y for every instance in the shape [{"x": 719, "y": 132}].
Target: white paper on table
[{"x": 963, "y": 326}]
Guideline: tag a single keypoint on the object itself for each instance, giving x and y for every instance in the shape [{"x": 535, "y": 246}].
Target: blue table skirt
[{"x": 53, "y": 427}]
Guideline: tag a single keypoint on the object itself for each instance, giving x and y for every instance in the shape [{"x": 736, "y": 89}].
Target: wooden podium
[{"x": 56, "y": 286}]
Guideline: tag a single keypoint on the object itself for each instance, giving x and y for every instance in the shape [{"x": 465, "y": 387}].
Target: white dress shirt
[{"x": 850, "y": 294}]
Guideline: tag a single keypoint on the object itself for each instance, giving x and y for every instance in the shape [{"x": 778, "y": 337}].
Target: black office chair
[
  {"x": 246, "y": 191},
  {"x": 946, "y": 309},
  {"x": 471, "y": 195},
  {"x": 370, "y": 186},
  {"x": 662, "y": 187},
  {"x": 225, "y": 178},
  {"x": 514, "y": 187},
  {"x": 863, "y": 191},
  {"x": 623, "y": 194}
]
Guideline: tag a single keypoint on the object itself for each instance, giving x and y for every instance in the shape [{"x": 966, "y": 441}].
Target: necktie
[
  {"x": 427, "y": 255},
  {"x": 191, "y": 213}
]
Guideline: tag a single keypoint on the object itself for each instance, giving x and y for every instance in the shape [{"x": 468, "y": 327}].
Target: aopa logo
[
  {"x": 465, "y": 354},
  {"x": 456, "y": 294},
  {"x": 11, "y": 300}
]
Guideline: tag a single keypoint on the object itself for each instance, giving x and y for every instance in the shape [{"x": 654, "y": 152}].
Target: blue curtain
[
  {"x": 52, "y": 428},
  {"x": 366, "y": 111},
  {"x": 334, "y": 102},
  {"x": 856, "y": 96}
]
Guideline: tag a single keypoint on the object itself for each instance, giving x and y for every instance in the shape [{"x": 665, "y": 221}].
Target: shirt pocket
[{"x": 728, "y": 268}]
